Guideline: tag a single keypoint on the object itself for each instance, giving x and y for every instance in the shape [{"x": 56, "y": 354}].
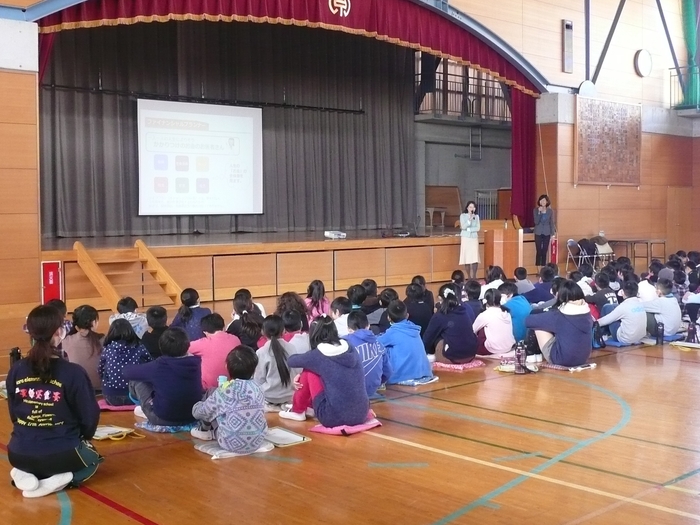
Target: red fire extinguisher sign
[
  {"x": 51, "y": 281},
  {"x": 554, "y": 250}
]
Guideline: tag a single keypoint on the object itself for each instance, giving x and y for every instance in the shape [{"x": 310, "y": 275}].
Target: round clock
[{"x": 643, "y": 63}]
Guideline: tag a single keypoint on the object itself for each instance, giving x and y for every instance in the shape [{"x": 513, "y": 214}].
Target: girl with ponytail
[
  {"x": 494, "y": 327},
  {"x": 57, "y": 396},
  {"x": 272, "y": 372},
  {"x": 190, "y": 314}
]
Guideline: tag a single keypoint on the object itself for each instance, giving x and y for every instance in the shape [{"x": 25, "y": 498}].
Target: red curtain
[
  {"x": 45, "y": 48},
  {"x": 397, "y": 21},
  {"x": 524, "y": 142}
]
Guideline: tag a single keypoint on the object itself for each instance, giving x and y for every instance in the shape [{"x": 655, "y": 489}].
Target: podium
[{"x": 504, "y": 248}]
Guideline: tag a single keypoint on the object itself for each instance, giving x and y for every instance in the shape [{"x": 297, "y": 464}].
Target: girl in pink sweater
[
  {"x": 493, "y": 327},
  {"x": 316, "y": 301}
]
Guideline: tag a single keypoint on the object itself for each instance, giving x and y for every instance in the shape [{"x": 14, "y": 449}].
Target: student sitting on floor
[
  {"x": 373, "y": 355},
  {"x": 494, "y": 327},
  {"x": 157, "y": 317},
  {"x": 542, "y": 291},
  {"x": 627, "y": 321},
  {"x": 579, "y": 279},
  {"x": 273, "y": 373},
  {"x": 405, "y": 347},
  {"x": 370, "y": 306},
  {"x": 385, "y": 298},
  {"x": 547, "y": 305},
  {"x": 518, "y": 307},
  {"x": 168, "y": 387},
  {"x": 356, "y": 295},
  {"x": 126, "y": 308},
  {"x": 473, "y": 288},
  {"x": 458, "y": 280},
  {"x": 293, "y": 301},
  {"x": 236, "y": 406},
  {"x": 340, "y": 308},
  {"x": 521, "y": 281},
  {"x": 604, "y": 294},
  {"x": 42, "y": 385},
  {"x": 190, "y": 314},
  {"x": 680, "y": 286},
  {"x": 564, "y": 332},
  {"x": 121, "y": 348},
  {"x": 244, "y": 295},
  {"x": 332, "y": 383},
  {"x": 495, "y": 277},
  {"x": 428, "y": 296},
  {"x": 419, "y": 311},
  {"x": 248, "y": 324},
  {"x": 449, "y": 334},
  {"x": 664, "y": 309},
  {"x": 84, "y": 345},
  {"x": 316, "y": 301},
  {"x": 213, "y": 349},
  {"x": 293, "y": 333}
]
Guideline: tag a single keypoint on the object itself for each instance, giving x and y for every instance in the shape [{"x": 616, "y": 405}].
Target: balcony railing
[
  {"x": 685, "y": 88},
  {"x": 471, "y": 95}
]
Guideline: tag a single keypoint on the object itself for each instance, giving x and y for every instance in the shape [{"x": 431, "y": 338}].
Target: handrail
[
  {"x": 151, "y": 262},
  {"x": 96, "y": 275}
]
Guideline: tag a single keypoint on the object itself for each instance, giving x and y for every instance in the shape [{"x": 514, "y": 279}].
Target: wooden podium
[{"x": 504, "y": 248}]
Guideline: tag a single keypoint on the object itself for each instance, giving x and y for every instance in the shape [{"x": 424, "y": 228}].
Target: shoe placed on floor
[
  {"x": 310, "y": 412},
  {"x": 204, "y": 435},
  {"x": 294, "y": 416},
  {"x": 431, "y": 358},
  {"x": 49, "y": 485},
  {"x": 138, "y": 412},
  {"x": 271, "y": 407},
  {"x": 534, "y": 358},
  {"x": 24, "y": 480}
]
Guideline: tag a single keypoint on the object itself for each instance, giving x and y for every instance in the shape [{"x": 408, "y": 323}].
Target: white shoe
[
  {"x": 24, "y": 480},
  {"x": 204, "y": 435},
  {"x": 431, "y": 358},
  {"x": 138, "y": 412},
  {"x": 295, "y": 416},
  {"x": 49, "y": 485},
  {"x": 310, "y": 412},
  {"x": 271, "y": 407},
  {"x": 534, "y": 358}
]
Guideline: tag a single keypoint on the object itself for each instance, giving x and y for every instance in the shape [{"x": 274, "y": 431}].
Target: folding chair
[
  {"x": 573, "y": 253},
  {"x": 587, "y": 255},
  {"x": 604, "y": 253}
]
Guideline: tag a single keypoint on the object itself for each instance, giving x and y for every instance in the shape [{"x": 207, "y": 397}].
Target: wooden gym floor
[{"x": 617, "y": 444}]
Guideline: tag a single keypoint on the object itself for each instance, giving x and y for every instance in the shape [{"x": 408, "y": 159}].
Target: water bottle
[
  {"x": 15, "y": 355},
  {"x": 659, "y": 333},
  {"x": 520, "y": 358},
  {"x": 222, "y": 380}
]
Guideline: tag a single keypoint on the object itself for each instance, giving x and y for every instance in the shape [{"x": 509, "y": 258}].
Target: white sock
[
  {"x": 24, "y": 480},
  {"x": 50, "y": 485}
]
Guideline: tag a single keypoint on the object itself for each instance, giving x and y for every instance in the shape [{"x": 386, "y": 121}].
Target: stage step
[
  {"x": 119, "y": 260},
  {"x": 141, "y": 284},
  {"x": 130, "y": 272}
]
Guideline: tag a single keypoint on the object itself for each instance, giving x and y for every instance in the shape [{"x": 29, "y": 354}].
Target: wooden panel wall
[
  {"x": 533, "y": 27},
  {"x": 257, "y": 273},
  {"x": 402, "y": 264},
  {"x": 353, "y": 266},
  {"x": 296, "y": 270},
  {"x": 192, "y": 272},
  {"x": 20, "y": 287}
]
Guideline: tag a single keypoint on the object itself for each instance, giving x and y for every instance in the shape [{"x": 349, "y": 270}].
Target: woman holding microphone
[
  {"x": 469, "y": 248},
  {"x": 544, "y": 228}
]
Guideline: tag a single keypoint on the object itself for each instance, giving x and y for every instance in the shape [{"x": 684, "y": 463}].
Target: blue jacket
[
  {"x": 374, "y": 357},
  {"x": 519, "y": 309},
  {"x": 344, "y": 400},
  {"x": 456, "y": 330},
  {"x": 67, "y": 413},
  {"x": 177, "y": 385},
  {"x": 406, "y": 352},
  {"x": 193, "y": 325},
  {"x": 541, "y": 293}
]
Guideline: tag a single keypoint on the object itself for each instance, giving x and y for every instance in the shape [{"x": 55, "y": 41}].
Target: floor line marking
[
  {"x": 681, "y": 489},
  {"x": 66, "y": 508},
  {"x": 539, "y": 477},
  {"x": 498, "y": 424},
  {"x": 519, "y": 456},
  {"x": 608, "y": 508},
  {"x": 398, "y": 465},
  {"x": 683, "y": 476},
  {"x": 116, "y": 506}
]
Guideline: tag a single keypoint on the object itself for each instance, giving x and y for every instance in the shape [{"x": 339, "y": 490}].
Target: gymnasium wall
[
  {"x": 19, "y": 183},
  {"x": 533, "y": 28}
]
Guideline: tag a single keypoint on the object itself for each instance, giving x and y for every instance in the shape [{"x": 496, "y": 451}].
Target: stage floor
[{"x": 213, "y": 239}]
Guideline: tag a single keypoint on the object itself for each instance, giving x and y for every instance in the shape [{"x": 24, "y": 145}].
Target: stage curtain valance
[{"x": 399, "y": 22}]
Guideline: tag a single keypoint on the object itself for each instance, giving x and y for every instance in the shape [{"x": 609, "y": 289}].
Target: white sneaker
[
  {"x": 271, "y": 407},
  {"x": 295, "y": 416},
  {"x": 24, "y": 480},
  {"x": 204, "y": 435},
  {"x": 138, "y": 412},
  {"x": 49, "y": 485},
  {"x": 310, "y": 412},
  {"x": 534, "y": 358},
  {"x": 431, "y": 358}
]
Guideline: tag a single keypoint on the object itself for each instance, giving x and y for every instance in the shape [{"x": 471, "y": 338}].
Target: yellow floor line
[
  {"x": 539, "y": 477},
  {"x": 681, "y": 489}
]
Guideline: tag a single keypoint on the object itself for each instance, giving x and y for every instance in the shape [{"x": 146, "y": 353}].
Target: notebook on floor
[{"x": 281, "y": 437}]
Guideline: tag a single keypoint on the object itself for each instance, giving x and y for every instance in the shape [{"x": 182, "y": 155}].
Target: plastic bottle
[
  {"x": 659, "y": 334},
  {"x": 222, "y": 380},
  {"x": 15, "y": 355},
  {"x": 519, "y": 359}
]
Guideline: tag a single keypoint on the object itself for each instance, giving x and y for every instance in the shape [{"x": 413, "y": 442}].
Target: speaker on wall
[{"x": 567, "y": 46}]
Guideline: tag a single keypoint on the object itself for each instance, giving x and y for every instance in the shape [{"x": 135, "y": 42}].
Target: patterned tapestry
[{"x": 608, "y": 143}]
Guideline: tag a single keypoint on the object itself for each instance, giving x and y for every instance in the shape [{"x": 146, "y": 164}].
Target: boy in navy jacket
[{"x": 168, "y": 387}]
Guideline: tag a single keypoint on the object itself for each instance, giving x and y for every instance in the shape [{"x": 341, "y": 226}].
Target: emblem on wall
[{"x": 341, "y": 7}]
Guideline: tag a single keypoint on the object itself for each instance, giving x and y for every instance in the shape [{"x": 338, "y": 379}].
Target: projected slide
[{"x": 199, "y": 159}]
